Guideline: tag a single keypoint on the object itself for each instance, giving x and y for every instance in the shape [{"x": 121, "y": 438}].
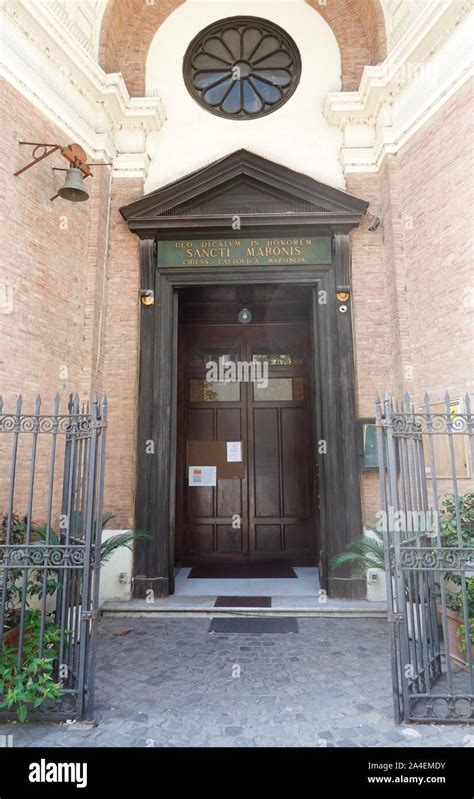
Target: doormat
[
  {"x": 244, "y": 571},
  {"x": 246, "y": 625},
  {"x": 243, "y": 602}
]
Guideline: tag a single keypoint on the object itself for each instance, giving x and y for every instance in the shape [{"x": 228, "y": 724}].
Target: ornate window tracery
[{"x": 242, "y": 67}]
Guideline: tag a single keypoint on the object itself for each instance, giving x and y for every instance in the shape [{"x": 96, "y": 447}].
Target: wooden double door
[{"x": 270, "y": 513}]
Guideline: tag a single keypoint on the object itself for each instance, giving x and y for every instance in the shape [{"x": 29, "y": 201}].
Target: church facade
[{"x": 285, "y": 183}]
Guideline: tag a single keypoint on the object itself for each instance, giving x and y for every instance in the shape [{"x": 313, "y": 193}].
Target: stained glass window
[{"x": 242, "y": 67}]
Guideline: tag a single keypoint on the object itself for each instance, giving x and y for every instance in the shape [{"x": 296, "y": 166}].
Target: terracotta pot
[
  {"x": 454, "y": 623},
  {"x": 11, "y": 638}
]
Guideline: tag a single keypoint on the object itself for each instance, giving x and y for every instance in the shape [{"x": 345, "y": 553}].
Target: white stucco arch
[{"x": 192, "y": 137}]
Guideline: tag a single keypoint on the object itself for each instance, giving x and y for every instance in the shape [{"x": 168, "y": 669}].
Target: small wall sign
[
  {"x": 245, "y": 252},
  {"x": 202, "y": 476},
  {"x": 216, "y": 455},
  {"x": 367, "y": 444},
  {"x": 234, "y": 452}
]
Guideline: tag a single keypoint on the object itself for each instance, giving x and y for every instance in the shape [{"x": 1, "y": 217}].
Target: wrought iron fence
[
  {"x": 426, "y": 468},
  {"x": 51, "y": 488}
]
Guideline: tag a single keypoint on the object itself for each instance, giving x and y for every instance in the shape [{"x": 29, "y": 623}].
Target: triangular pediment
[
  {"x": 242, "y": 184},
  {"x": 246, "y": 196}
]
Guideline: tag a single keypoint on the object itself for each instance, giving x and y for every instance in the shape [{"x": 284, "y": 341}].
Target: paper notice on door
[
  {"x": 202, "y": 476},
  {"x": 234, "y": 452}
]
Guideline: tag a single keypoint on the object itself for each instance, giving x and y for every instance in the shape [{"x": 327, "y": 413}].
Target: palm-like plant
[
  {"x": 125, "y": 539},
  {"x": 107, "y": 547},
  {"x": 363, "y": 553}
]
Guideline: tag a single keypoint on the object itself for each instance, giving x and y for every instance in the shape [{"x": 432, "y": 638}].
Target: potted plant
[
  {"x": 363, "y": 553},
  {"x": 11, "y": 583},
  {"x": 456, "y": 629},
  {"x": 367, "y": 552},
  {"x": 107, "y": 547},
  {"x": 457, "y": 524},
  {"x": 11, "y": 593},
  {"x": 31, "y": 683}
]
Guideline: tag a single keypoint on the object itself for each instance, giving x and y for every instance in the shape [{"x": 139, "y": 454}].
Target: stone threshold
[{"x": 202, "y": 606}]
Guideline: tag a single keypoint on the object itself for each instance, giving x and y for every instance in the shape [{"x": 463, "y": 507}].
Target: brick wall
[
  {"x": 96, "y": 285},
  {"x": 69, "y": 299},
  {"x": 359, "y": 28},
  {"x": 43, "y": 265},
  {"x": 48, "y": 298},
  {"x": 372, "y": 354},
  {"x": 121, "y": 356},
  {"x": 128, "y": 27},
  {"x": 436, "y": 188},
  {"x": 412, "y": 306}
]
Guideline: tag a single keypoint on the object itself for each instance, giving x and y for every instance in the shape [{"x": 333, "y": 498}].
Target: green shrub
[{"x": 30, "y": 683}]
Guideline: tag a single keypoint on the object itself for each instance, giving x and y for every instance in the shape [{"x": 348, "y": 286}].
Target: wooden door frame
[
  {"x": 333, "y": 413},
  {"x": 268, "y": 200}
]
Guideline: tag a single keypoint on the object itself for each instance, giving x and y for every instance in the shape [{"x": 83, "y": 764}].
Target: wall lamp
[
  {"x": 244, "y": 316},
  {"x": 147, "y": 297},
  {"x": 375, "y": 223},
  {"x": 73, "y": 188}
]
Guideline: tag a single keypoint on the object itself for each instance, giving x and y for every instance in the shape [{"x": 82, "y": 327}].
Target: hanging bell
[{"x": 73, "y": 188}]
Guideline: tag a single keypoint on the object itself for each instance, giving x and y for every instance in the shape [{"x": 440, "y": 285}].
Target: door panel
[
  {"x": 200, "y": 423},
  {"x": 229, "y": 423},
  {"x": 294, "y": 463},
  {"x": 266, "y": 483},
  {"x": 274, "y": 502},
  {"x": 202, "y": 538},
  {"x": 229, "y": 497},
  {"x": 267, "y": 537},
  {"x": 229, "y": 539},
  {"x": 297, "y": 537}
]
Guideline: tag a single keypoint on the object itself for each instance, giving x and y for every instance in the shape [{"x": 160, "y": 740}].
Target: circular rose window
[{"x": 242, "y": 67}]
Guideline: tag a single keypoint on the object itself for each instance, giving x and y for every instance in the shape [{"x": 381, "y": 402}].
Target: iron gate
[
  {"x": 51, "y": 486},
  {"x": 426, "y": 468}
]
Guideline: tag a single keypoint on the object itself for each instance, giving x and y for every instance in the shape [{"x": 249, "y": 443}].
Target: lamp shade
[{"x": 244, "y": 316}]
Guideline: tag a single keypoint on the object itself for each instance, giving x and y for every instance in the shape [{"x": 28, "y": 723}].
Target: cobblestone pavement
[{"x": 169, "y": 682}]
